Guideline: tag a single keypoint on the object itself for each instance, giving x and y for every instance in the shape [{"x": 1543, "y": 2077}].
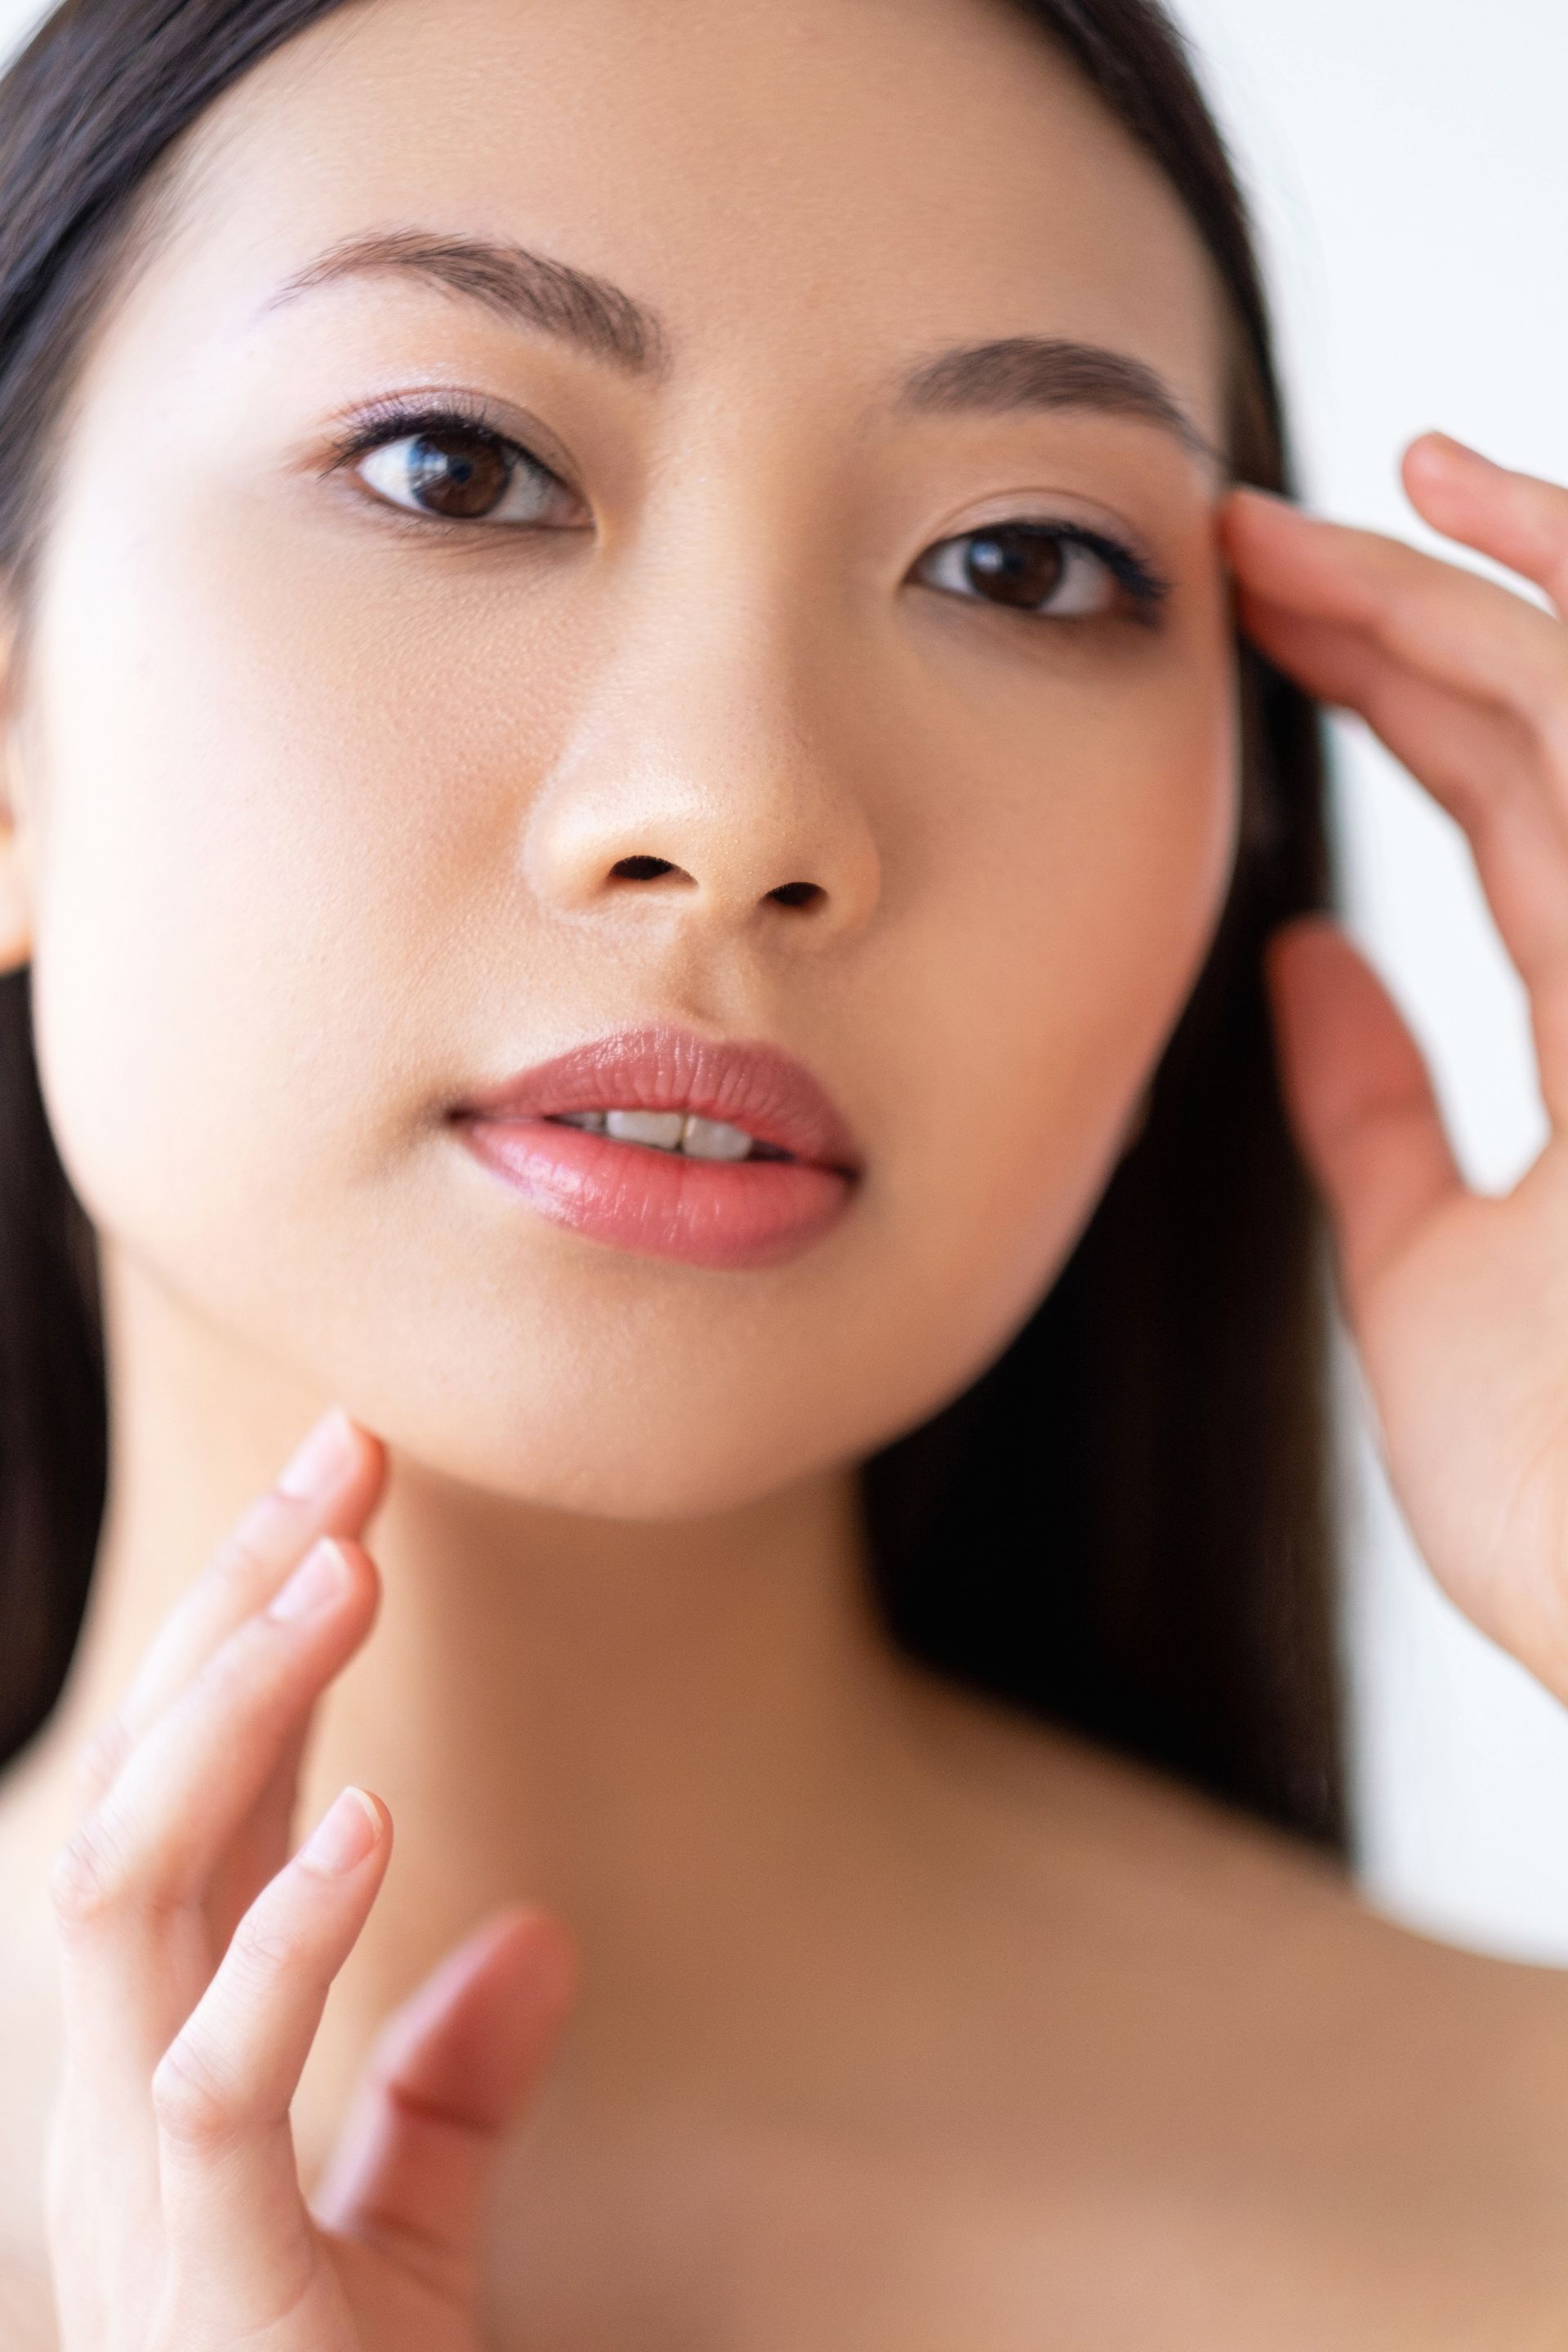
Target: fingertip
[
  {"x": 355, "y": 1826},
  {"x": 1313, "y": 922},
  {"x": 1244, "y": 501},
  {"x": 1436, "y": 463},
  {"x": 551, "y": 1958},
  {"x": 334, "y": 1478},
  {"x": 1291, "y": 944},
  {"x": 336, "y": 1575},
  {"x": 362, "y": 1570},
  {"x": 534, "y": 1949},
  {"x": 1435, "y": 451},
  {"x": 1313, "y": 969},
  {"x": 367, "y": 1484},
  {"x": 474, "y": 2037},
  {"x": 1253, "y": 494},
  {"x": 372, "y": 1446}
]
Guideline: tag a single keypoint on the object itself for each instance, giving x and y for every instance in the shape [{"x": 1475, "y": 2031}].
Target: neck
[{"x": 663, "y": 1730}]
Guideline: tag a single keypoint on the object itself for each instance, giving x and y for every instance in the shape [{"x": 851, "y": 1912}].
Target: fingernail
[
  {"x": 321, "y": 1578},
  {"x": 346, "y": 1832},
  {"x": 325, "y": 1456}
]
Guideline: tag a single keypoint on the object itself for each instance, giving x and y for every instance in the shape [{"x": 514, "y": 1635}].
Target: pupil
[
  {"x": 459, "y": 475},
  {"x": 1016, "y": 566}
]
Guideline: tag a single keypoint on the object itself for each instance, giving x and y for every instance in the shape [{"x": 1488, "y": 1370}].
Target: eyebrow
[
  {"x": 1006, "y": 375},
  {"x": 528, "y": 288},
  {"x": 1040, "y": 371}
]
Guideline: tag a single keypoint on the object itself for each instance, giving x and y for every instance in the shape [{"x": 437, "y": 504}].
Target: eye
[
  {"x": 1055, "y": 571},
  {"x": 458, "y": 471}
]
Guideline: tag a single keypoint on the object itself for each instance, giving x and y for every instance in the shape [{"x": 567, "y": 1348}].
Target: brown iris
[
  {"x": 1015, "y": 565},
  {"x": 460, "y": 475}
]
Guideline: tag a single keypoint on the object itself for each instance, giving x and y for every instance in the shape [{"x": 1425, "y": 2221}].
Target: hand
[
  {"x": 1458, "y": 1301},
  {"x": 196, "y": 1960}
]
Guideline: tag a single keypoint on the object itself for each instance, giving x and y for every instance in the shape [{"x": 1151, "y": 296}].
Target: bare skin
[{"x": 900, "y": 2023}]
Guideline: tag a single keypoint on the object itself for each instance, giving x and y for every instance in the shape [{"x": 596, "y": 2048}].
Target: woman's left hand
[{"x": 1459, "y": 1300}]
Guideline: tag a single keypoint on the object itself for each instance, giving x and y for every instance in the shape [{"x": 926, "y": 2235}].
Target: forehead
[{"x": 811, "y": 188}]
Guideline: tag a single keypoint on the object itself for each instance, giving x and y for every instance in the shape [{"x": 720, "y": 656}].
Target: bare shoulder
[
  {"x": 1291, "y": 2072},
  {"x": 1202, "y": 1884}
]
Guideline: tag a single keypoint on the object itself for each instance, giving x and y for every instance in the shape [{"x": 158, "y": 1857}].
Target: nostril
[
  {"x": 640, "y": 869},
  {"x": 797, "y": 894}
]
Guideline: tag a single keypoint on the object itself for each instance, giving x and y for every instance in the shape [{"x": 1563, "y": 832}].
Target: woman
[{"x": 638, "y": 871}]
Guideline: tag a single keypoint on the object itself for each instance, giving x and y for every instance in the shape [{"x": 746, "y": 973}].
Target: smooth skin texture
[
  {"x": 899, "y": 2023},
  {"x": 197, "y": 1954}
]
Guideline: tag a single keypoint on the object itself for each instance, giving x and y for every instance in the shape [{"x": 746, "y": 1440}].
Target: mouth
[
  {"x": 674, "y": 1130},
  {"x": 669, "y": 1144}
]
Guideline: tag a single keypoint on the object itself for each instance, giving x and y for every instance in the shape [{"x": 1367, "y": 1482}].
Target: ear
[{"x": 16, "y": 887}]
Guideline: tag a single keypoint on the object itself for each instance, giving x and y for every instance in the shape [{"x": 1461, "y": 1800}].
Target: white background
[{"x": 1409, "y": 166}]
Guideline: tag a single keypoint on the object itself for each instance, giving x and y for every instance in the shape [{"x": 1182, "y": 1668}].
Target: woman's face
[{"x": 328, "y": 760}]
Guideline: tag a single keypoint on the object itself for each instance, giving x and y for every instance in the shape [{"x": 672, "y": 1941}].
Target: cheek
[
  {"x": 243, "y": 856},
  {"x": 280, "y": 919},
  {"x": 1075, "y": 910}
]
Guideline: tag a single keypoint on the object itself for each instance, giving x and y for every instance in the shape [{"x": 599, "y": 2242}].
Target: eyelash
[
  {"x": 390, "y": 421},
  {"x": 1148, "y": 588}
]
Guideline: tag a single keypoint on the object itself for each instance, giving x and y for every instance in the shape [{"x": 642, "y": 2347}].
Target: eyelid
[
  {"x": 384, "y": 423},
  {"x": 375, "y": 423},
  {"x": 1137, "y": 574},
  {"x": 1048, "y": 507}
]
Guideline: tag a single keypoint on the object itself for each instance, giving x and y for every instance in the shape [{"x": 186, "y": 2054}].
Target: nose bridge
[{"x": 704, "y": 762}]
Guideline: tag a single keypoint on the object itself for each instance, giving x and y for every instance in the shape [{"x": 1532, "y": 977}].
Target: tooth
[
  {"x": 593, "y": 1120},
  {"x": 662, "y": 1128},
  {"x": 712, "y": 1139}
]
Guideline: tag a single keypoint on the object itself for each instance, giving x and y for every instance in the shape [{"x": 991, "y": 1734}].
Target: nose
[{"x": 709, "y": 769}]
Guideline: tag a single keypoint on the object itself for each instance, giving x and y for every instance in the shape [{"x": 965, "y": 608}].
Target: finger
[
  {"x": 453, "y": 2066},
  {"x": 1481, "y": 767},
  {"x": 1517, "y": 518},
  {"x": 1469, "y": 756},
  {"x": 132, "y": 1966},
  {"x": 261, "y": 1845},
  {"x": 1360, "y": 1098},
  {"x": 1451, "y": 625},
  {"x": 128, "y": 1888},
  {"x": 243, "y": 2253},
  {"x": 329, "y": 1487}
]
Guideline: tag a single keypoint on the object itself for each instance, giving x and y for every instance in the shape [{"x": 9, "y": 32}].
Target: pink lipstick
[{"x": 662, "y": 1142}]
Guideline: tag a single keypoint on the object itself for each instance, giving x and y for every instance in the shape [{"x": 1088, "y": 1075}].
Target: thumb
[
  {"x": 1359, "y": 1097},
  {"x": 456, "y": 2064}
]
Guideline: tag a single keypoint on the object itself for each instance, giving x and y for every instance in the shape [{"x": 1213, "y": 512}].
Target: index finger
[
  {"x": 328, "y": 1486},
  {"x": 1519, "y": 519},
  {"x": 1444, "y": 621}
]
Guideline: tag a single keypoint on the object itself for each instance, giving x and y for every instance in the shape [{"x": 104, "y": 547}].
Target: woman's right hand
[{"x": 196, "y": 1959}]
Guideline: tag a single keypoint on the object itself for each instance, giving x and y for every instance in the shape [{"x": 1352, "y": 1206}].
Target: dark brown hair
[{"x": 1124, "y": 1523}]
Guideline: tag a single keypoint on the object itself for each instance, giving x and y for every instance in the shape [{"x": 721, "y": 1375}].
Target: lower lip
[{"x": 719, "y": 1213}]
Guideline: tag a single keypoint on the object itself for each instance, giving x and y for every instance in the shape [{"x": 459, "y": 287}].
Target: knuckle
[
  {"x": 87, "y": 1878},
  {"x": 100, "y": 1757},
  {"x": 192, "y": 2104},
  {"x": 98, "y": 1880},
  {"x": 245, "y": 1674},
  {"x": 250, "y": 1554},
  {"x": 266, "y": 1949}
]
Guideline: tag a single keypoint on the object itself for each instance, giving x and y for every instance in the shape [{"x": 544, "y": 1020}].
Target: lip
[{"x": 727, "y": 1213}]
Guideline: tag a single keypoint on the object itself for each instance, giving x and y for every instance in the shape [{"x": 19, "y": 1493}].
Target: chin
[{"x": 605, "y": 1445}]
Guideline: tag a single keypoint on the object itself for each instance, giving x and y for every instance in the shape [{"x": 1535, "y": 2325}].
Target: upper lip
[{"x": 750, "y": 1084}]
